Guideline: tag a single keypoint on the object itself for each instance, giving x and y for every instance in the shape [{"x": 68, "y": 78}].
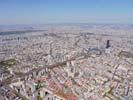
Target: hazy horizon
[{"x": 66, "y": 11}]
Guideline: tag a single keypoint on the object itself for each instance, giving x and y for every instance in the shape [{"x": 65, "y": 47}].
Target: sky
[{"x": 65, "y": 11}]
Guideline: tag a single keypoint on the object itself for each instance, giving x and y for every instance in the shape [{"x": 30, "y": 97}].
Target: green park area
[
  {"x": 125, "y": 54},
  {"x": 8, "y": 63}
]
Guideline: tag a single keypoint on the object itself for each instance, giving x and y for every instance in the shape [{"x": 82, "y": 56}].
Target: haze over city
[
  {"x": 66, "y": 50},
  {"x": 65, "y": 11}
]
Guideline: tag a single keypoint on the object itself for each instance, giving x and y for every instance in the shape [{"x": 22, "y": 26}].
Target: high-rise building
[{"x": 108, "y": 44}]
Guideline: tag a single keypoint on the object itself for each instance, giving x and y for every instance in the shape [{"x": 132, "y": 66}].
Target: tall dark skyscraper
[{"x": 108, "y": 44}]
